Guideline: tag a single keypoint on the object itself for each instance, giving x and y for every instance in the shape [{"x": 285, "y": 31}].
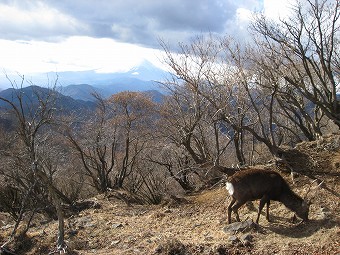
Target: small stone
[
  {"x": 73, "y": 232},
  {"x": 233, "y": 239},
  {"x": 247, "y": 237},
  {"x": 115, "y": 242},
  {"x": 7, "y": 227},
  {"x": 89, "y": 225},
  {"x": 197, "y": 225},
  {"x": 324, "y": 213},
  {"x": 117, "y": 225}
]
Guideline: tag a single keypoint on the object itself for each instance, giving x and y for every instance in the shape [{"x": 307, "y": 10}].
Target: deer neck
[{"x": 291, "y": 200}]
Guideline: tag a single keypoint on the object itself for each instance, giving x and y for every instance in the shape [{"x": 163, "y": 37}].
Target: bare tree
[
  {"x": 181, "y": 121},
  {"x": 96, "y": 142},
  {"x": 209, "y": 71},
  {"x": 176, "y": 163},
  {"x": 34, "y": 116},
  {"x": 110, "y": 143},
  {"x": 307, "y": 43},
  {"x": 133, "y": 114}
]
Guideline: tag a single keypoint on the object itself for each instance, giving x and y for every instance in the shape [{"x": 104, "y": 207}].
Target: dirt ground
[{"x": 195, "y": 223}]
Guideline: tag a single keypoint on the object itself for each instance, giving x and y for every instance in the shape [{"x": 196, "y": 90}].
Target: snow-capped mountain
[{"x": 144, "y": 77}]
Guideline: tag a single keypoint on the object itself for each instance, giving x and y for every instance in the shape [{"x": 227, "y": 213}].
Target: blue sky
[{"x": 111, "y": 35}]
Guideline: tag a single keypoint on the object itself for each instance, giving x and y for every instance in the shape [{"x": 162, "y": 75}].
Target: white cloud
[
  {"x": 44, "y": 36},
  {"x": 276, "y": 9},
  {"x": 73, "y": 54},
  {"x": 243, "y": 17},
  {"x": 36, "y": 20}
]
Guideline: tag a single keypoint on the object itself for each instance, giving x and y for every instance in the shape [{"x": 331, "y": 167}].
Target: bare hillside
[{"x": 196, "y": 224}]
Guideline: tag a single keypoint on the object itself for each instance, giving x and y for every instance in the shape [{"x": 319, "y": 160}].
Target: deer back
[{"x": 252, "y": 184}]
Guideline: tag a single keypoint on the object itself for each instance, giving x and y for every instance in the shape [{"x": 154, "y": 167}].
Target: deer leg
[
  {"x": 267, "y": 215},
  {"x": 230, "y": 209},
  {"x": 235, "y": 209},
  {"x": 264, "y": 200}
]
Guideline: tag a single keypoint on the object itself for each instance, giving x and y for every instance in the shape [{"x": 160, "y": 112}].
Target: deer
[{"x": 266, "y": 185}]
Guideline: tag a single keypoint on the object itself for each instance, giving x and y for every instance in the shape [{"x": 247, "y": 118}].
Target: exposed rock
[
  {"x": 324, "y": 213},
  {"x": 84, "y": 222},
  {"x": 233, "y": 239},
  {"x": 173, "y": 201},
  {"x": 7, "y": 226},
  {"x": 123, "y": 195},
  {"x": 90, "y": 225},
  {"x": 117, "y": 225},
  {"x": 80, "y": 206},
  {"x": 239, "y": 226},
  {"x": 246, "y": 239},
  {"x": 114, "y": 242}
]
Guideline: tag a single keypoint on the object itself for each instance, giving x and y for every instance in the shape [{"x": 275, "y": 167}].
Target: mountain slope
[
  {"x": 30, "y": 98},
  {"x": 128, "y": 84},
  {"x": 195, "y": 224},
  {"x": 85, "y": 91},
  {"x": 82, "y": 91}
]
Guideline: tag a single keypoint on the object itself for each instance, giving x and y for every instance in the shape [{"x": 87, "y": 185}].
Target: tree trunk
[
  {"x": 56, "y": 202},
  {"x": 238, "y": 148}
]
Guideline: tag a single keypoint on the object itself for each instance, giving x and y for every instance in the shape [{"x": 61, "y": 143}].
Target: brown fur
[{"x": 266, "y": 185}]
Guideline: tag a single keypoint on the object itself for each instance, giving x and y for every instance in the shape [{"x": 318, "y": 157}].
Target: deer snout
[{"x": 303, "y": 211}]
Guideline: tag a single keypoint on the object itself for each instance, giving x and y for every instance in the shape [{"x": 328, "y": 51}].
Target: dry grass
[{"x": 192, "y": 228}]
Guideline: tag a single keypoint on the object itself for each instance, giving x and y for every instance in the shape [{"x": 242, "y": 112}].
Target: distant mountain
[
  {"x": 85, "y": 91},
  {"x": 30, "y": 98},
  {"x": 128, "y": 84},
  {"x": 82, "y": 91},
  {"x": 141, "y": 78},
  {"x": 80, "y": 85},
  {"x": 155, "y": 95},
  {"x": 146, "y": 71}
]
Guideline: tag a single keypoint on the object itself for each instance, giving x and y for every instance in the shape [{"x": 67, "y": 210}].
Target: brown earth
[{"x": 194, "y": 224}]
